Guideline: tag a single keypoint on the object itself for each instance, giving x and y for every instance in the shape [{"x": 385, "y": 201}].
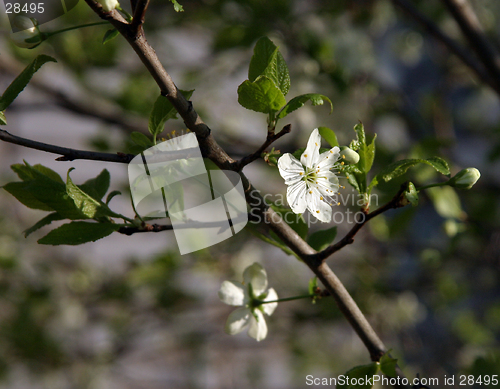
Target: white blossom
[
  {"x": 29, "y": 31},
  {"x": 311, "y": 183},
  {"x": 249, "y": 296},
  {"x": 466, "y": 178},
  {"x": 108, "y": 5}
]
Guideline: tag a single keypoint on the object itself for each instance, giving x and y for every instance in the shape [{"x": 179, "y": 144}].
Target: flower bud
[
  {"x": 465, "y": 179},
  {"x": 29, "y": 33},
  {"x": 108, "y": 5},
  {"x": 349, "y": 155}
]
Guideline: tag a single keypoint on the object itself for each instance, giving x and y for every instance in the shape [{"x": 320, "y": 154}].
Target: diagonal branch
[
  {"x": 433, "y": 30},
  {"x": 139, "y": 10}
]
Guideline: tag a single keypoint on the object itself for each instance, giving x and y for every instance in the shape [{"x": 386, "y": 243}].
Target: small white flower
[
  {"x": 29, "y": 31},
  {"x": 310, "y": 181},
  {"x": 249, "y": 296},
  {"x": 108, "y": 5}
]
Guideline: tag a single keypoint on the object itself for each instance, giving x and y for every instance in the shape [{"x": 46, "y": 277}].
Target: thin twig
[
  {"x": 453, "y": 46},
  {"x": 67, "y": 154},
  {"x": 146, "y": 228},
  {"x": 396, "y": 202},
  {"x": 271, "y": 138},
  {"x": 473, "y": 31},
  {"x": 139, "y": 14}
]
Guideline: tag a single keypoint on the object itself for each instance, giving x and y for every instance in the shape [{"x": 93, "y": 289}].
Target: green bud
[
  {"x": 465, "y": 179},
  {"x": 349, "y": 155}
]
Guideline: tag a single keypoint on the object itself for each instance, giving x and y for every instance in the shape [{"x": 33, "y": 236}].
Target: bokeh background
[{"x": 130, "y": 312}]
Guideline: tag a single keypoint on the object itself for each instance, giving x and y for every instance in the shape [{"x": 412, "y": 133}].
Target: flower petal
[
  {"x": 257, "y": 276},
  {"x": 258, "y": 327},
  {"x": 328, "y": 158},
  {"x": 233, "y": 293},
  {"x": 311, "y": 155},
  {"x": 295, "y": 195},
  {"x": 237, "y": 321},
  {"x": 268, "y": 309},
  {"x": 328, "y": 184},
  {"x": 318, "y": 208},
  {"x": 290, "y": 169}
]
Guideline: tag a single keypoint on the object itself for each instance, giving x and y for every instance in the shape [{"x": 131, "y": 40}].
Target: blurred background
[{"x": 130, "y": 312}]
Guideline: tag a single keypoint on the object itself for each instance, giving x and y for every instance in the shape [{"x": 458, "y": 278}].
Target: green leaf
[
  {"x": 3, "y": 119},
  {"x": 299, "y": 101},
  {"x": 353, "y": 180},
  {"x": 87, "y": 205},
  {"x": 22, "y": 80},
  {"x": 43, "y": 222},
  {"x": 262, "y": 95},
  {"x": 313, "y": 284},
  {"x": 366, "y": 151},
  {"x": 388, "y": 365},
  {"x": 363, "y": 371},
  {"x": 27, "y": 172},
  {"x": 141, "y": 140},
  {"x": 111, "y": 195},
  {"x": 20, "y": 191},
  {"x": 177, "y": 6},
  {"x": 320, "y": 240},
  {"x": 110, "y": 35},
  {"x": 97, "y": 187},
  {"x": 329, "y": 136},
  {"x": 268, "y": 61},
  {"x": 398, "y": 168},
  {"x": 411, "y": 194},
  {"x": 271, "y": 240},
  {"x": 76, "y": 233},
  {"x": 298, "y": 153},
  {"x": 163, "y": 110}
]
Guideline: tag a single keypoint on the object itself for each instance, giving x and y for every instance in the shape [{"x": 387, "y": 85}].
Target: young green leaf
[
  {"x": 3, "y": 119},
  {"x": 97, "y": 187},
  {"x": 299, "y": 101},
  {"x": 76, "y": 233},
  {"x": 262, "y": 95},
  {"x": 110, "y": 35},
  {"x": 111, "y": 195},
  {"x": 320, "y": 240},
  {"x": 51, "y": 217},
  {"x": 398, "y": 168},
  {"x": 141, "y": 140},
  {"x": 328, "y": 135},
  {"x": 87, "y": 205},
  {"x": 388, "y": 365},
  {"x": 366, "y": 151},
  {"x": 20, "y": 191},
  {"x": 177, "y": 6},
  {"x": 268, "y": 61},
  {"x": 27, "y": 172},
  {"x": 22, "y": 80},
  {"x": 163, "y": 110},
  {"x": 313, "y": 284},
  {"x": 411, "y": 194},
  {"x": 358, "y": 372}
]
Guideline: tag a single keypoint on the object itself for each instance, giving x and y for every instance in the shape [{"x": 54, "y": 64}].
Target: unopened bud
[
  {"x": 108, "y": 5},
  {"x": 465, "y": 179},
  {"x": 30, "y": 36},
  {"x": 349, "y": 155}
]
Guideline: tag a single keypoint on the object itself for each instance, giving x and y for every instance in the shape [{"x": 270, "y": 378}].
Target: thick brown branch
[
  {"x": 271, "y": 138},
  {"x": 433, "y": 30},
  {"x": 67, "y": 154},
  {"x": 473, "y": 31}
]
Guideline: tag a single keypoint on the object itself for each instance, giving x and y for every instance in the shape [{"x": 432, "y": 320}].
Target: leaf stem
[
  {"x": 286, "y": 299},
  {"x": 49, "y": 34},
  {"x": 432, "y": 185}
]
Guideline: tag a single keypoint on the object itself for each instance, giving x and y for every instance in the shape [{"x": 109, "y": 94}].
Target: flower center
[{"x": 311, "y": 176}]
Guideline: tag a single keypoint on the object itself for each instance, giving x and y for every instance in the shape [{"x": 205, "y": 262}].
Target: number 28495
[{"x": 31, "y": 8}]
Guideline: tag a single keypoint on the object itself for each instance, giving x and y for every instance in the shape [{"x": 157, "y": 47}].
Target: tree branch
[
  {"x": 473, "y": 31},
  {"x": 433, "y": 30},
  {"x": 139, "y": 13},
  {"x": 67, "y": 154},
  {"x": 271, "y": 137}
]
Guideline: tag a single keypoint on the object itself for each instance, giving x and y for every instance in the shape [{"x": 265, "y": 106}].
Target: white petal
[
  {"x": 258, "y": 327},
  {"x": 233, "y": 293},
  {"x": 328, "y": 158},
  {"x": 290, "y": 169},
  {"x": 296, "y": 197},
  {"x": 318, "y": 208},
  {"x": 256, "y": 275},
  {"x": 268, "y": 309},
  {"x": 328, "y": 184},
  {"x": 311, "y": 155},
  {"x": 237, "y": 321}
]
